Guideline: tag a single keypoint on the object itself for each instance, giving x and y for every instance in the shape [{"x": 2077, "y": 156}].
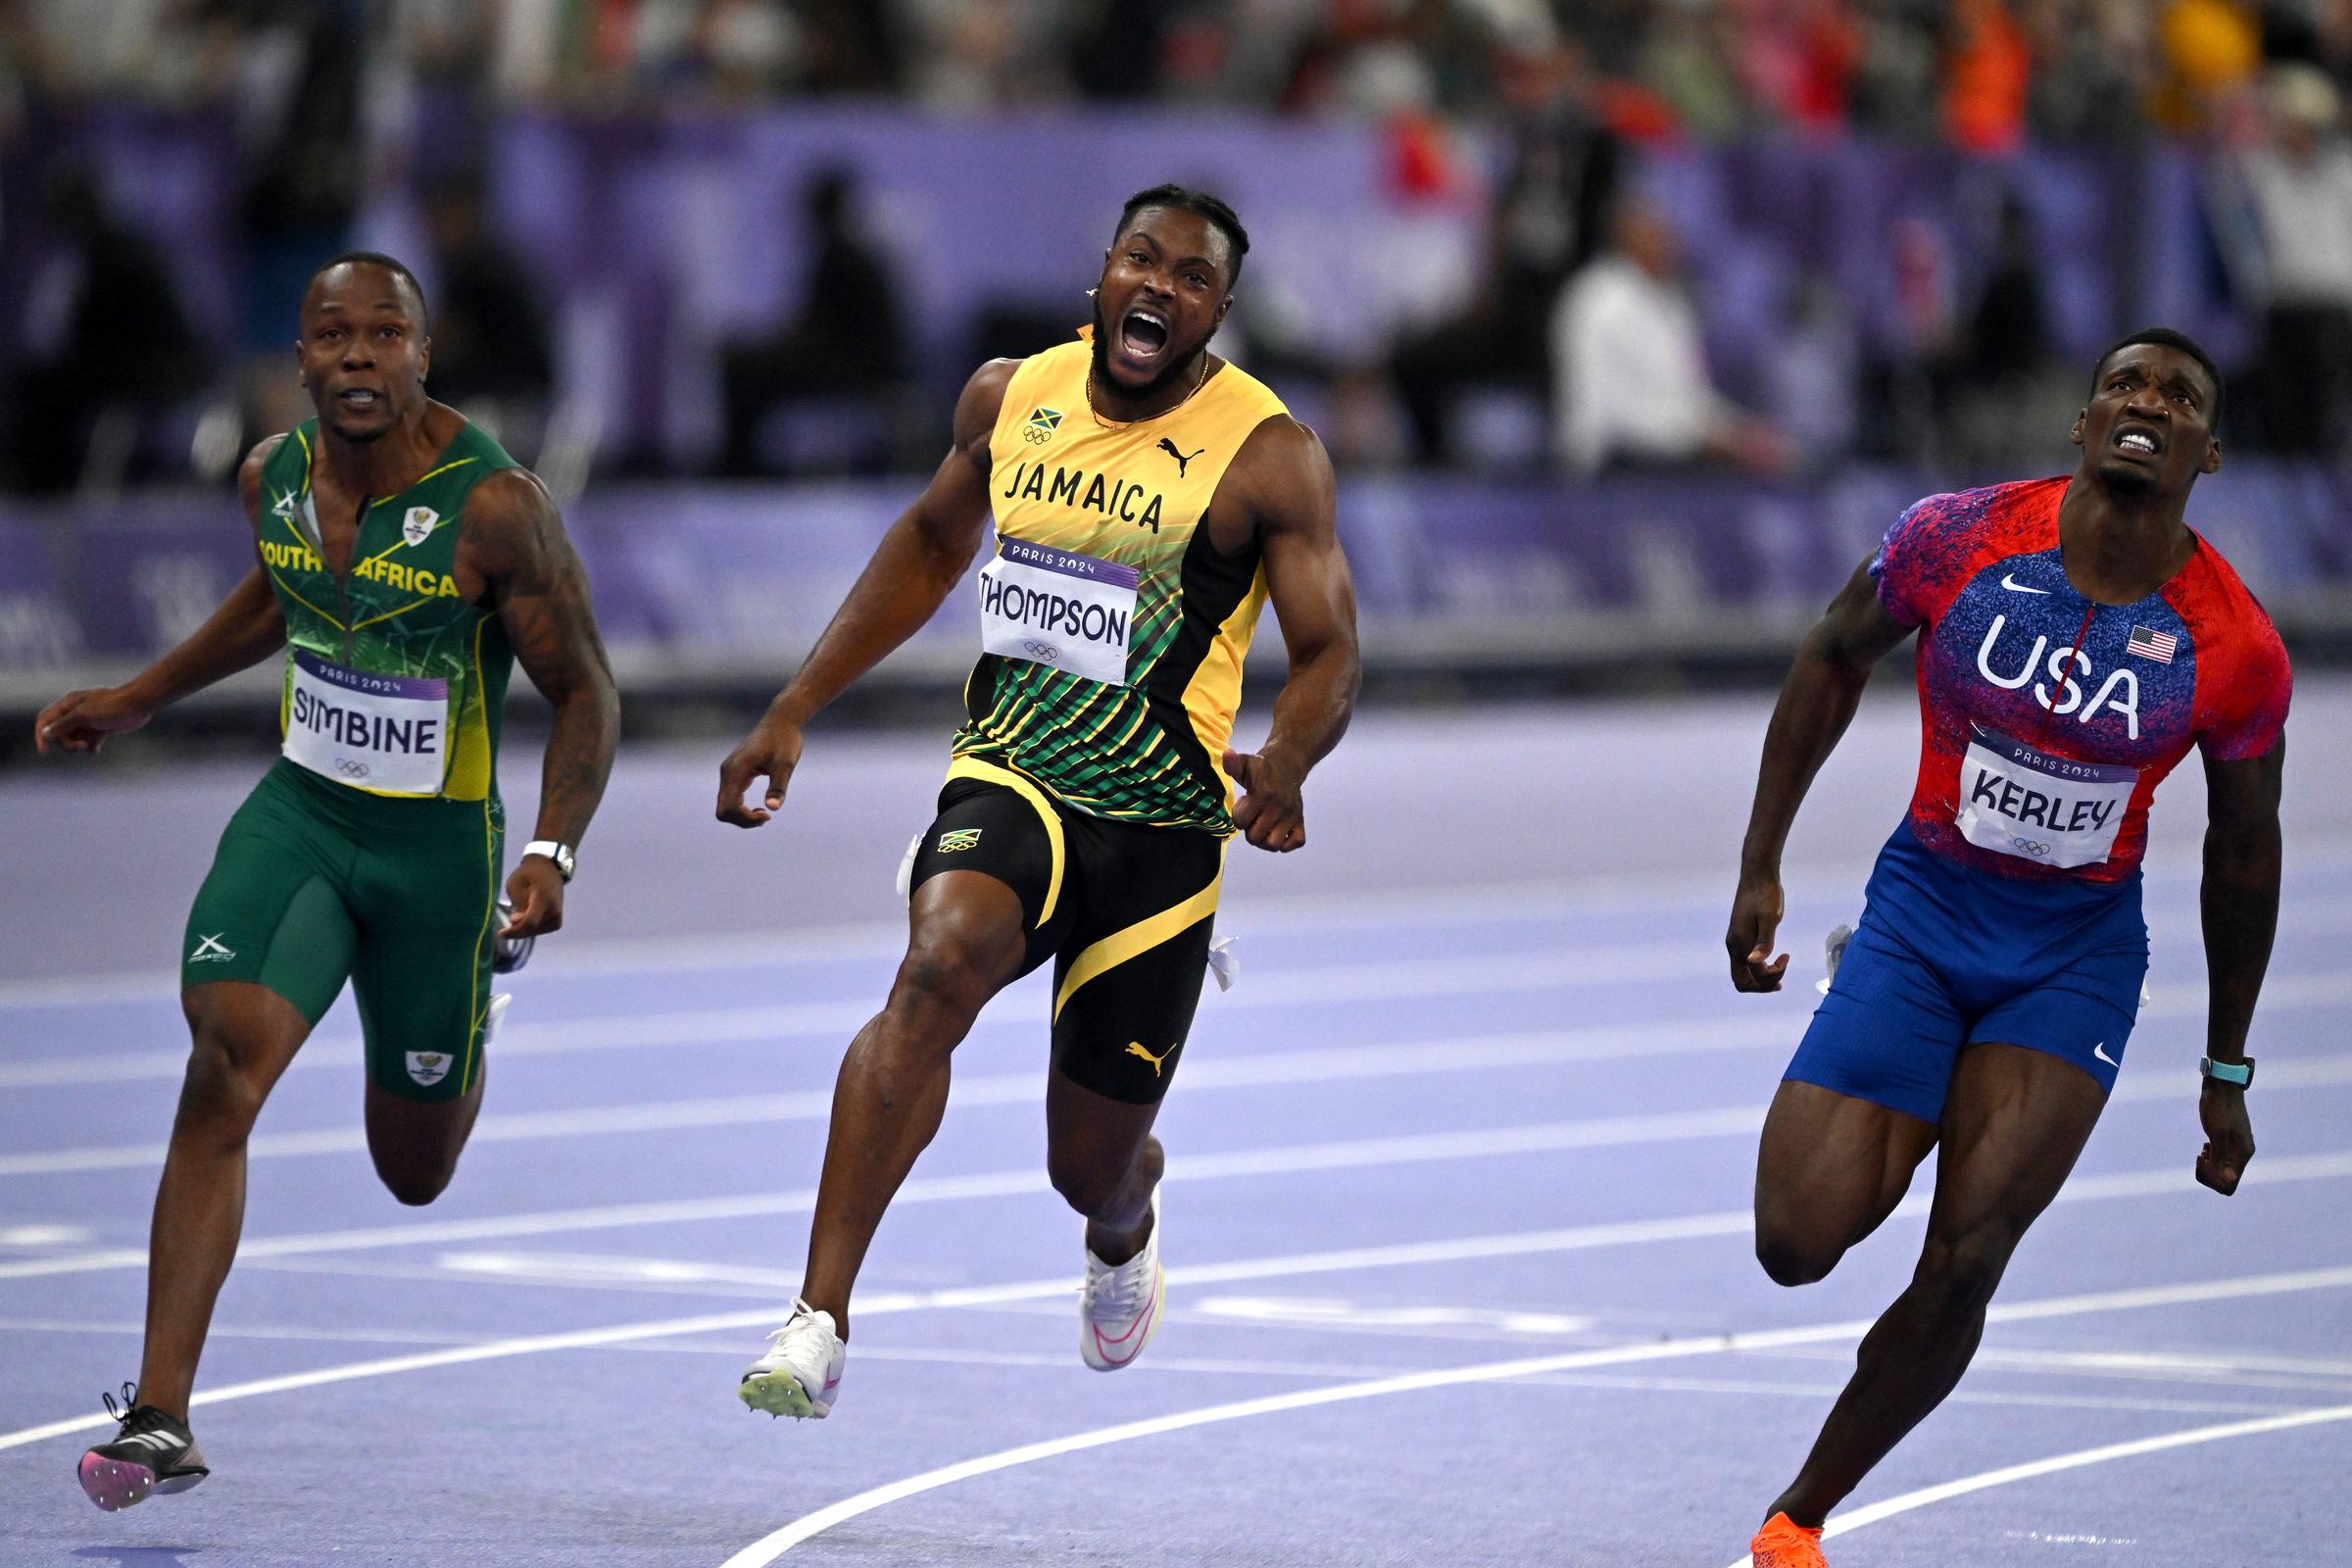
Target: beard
[
  {"x": 2130, "y": 480},
  {"x": 1178, "y": 366}
]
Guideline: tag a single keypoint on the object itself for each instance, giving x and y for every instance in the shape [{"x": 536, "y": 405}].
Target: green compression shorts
[{"x": 315, "y": 883}]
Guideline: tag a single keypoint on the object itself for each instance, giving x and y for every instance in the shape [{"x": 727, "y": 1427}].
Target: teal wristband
[{"x": 2237, "y": 1074}]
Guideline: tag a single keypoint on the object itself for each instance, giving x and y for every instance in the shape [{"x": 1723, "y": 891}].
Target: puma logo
[
  {"x": 1182, "y": 457},
  {"x": 1133, "y": 1048}
]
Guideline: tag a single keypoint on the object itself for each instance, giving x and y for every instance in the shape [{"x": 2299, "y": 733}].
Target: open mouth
[
  {"x": 2138, "y": 442},
  {"x": 1143, "y": 334},
  {"x": 359, "y": 398}
]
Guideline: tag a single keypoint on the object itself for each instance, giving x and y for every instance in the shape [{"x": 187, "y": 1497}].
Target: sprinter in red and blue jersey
[{"x": 2076, "y": 640}]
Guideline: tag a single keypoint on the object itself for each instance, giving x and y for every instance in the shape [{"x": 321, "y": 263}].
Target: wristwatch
[
  {"x": 561, "y": 854},
  {"x": 2236, "y": 1074}
]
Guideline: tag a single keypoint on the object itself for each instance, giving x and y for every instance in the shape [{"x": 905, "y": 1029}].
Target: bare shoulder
[
  {"x": 982, "y": 400},
  {"x": 1285, "y": 475},
  {"x": 248, "y": 472},
  {"x": 511, "y": 522}
]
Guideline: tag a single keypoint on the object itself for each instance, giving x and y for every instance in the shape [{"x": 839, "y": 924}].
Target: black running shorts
[{"x": 1125, "y": 911}]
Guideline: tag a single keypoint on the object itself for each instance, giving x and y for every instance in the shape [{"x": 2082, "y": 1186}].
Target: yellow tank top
[{"x": 1102, "y": 549}]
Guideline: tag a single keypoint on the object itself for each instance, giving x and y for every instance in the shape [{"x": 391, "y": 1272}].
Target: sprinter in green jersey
[{"x": 403, "y": 563}]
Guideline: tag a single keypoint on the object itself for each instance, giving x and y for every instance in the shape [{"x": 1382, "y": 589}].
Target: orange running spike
[{"x": 1783, "y": 1544}]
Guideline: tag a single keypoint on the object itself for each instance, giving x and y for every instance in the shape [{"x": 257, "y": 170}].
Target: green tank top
[{"x": 394, "y": 683}]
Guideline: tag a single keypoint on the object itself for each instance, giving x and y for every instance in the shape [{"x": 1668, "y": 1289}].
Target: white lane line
[
  {"x": 1857, "y": 1518},
  {"x": 1240, "y": 1269},
  {"x": 1608, "y": 1131},
  {"x": 1481, "y": 974},
  {"x": 1466, "y": 902},
  {"x": 1395, "y": 1059},
  {"x": 1413, "y": 1149},
  {"x": 1472, "y": 903},
  {"x": 1442, "y": 1054},
  {"x": 770, "y": 1548},
  {"x": 1477, "y": 974}
]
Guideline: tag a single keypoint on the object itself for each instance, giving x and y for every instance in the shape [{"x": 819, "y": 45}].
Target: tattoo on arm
[{"x": 517, "y": 542}]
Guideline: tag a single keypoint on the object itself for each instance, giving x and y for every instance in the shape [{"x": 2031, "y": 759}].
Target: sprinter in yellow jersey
[
  {"x": 1149, "y": 499},
  {"x": 404, "y": 563}
]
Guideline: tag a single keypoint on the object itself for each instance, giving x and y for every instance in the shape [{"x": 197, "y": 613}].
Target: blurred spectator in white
[
  {"x": 1631, "y": 369},
  {"x": 2300, "y": 187},
  {"x": 842, "y": 348},
  {"x": 108, "y": 345},
  {"x": 1561, "y": 172}
]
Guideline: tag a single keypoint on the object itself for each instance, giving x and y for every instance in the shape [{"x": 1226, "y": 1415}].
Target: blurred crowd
[
  {"x": 1982, "y": 74},
  {"x": 1586, "y": 339}
]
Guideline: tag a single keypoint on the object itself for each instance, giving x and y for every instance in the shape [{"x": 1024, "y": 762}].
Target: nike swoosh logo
[
  {"x": 2016, "y": 587},
  {"x": 2100, "y": 1051}
]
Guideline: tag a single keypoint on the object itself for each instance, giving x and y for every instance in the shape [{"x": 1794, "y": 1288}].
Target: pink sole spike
[{"x": 114, "y": 1484}]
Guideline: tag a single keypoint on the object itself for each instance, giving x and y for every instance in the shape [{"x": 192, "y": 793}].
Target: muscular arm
[
  {"x": 1817, "y": 702},
  {"x": 1288, "y": 486},
  {"x": 514, "y": 539},
  {"x": 920, "y": 560},
  {"x": 2240, "y": 902},
  {"x": 246, "y": 629}
]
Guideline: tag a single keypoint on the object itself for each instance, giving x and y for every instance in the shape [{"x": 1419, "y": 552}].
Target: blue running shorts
[{"x": 1947, "y": 957}]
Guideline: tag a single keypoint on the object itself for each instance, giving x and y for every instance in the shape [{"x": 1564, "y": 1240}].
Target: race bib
[
  {"x": 1049, "y": 606},
  {"x": 378, "y": 732},
  {"x": 2051, "y": 810}
]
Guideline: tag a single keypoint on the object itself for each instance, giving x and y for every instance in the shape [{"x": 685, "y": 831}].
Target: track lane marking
[
  {"x": 1320, "y": 1064},
  {"x": 773, "y": 1546},
  {"x": 1870, "y": 1514}
]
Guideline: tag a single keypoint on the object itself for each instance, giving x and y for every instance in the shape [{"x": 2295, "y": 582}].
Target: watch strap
[
  {"x": 561, "y": 854},
  {"x": 2236, "y": 1073}
]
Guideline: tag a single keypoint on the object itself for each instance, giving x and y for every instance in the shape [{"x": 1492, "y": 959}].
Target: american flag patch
[{"x": 2148, "y": 643}]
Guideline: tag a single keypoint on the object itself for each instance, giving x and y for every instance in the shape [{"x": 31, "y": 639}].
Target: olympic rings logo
[
  {"x": 2029, "y": 847},
  {"x": 350, "y": 769},
  {"x": 1044, "y": 651}
]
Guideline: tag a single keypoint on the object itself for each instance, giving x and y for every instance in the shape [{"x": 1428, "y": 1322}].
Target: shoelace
[
  {"x": 1122, "y": 1290},
  {"x": 121, "y": 1413},
  {"x": 800, "y": 1316}
]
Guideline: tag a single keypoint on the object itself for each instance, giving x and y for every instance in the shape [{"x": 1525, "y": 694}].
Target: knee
[
  {"x": 942, "y": 984},
  {"x": 1793, "y": 1259},
  {"x": 415, "y": 1183},
  {"x": 220, "y": 1099},
  {"x": 1958, "y": 1273},
  {"x": 1085, "y": 1186}
]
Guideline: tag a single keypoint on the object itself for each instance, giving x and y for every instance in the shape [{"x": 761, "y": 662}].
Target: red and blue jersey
[{"x": 2048, "y": 721}]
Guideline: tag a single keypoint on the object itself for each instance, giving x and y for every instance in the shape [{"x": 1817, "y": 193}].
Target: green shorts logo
[
  {"x": 961, "y": 838},
  {"x": 428, "y": 1067}
]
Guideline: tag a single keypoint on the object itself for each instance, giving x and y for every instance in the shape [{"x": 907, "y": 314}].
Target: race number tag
[
  {"x": 1049, "y": 606},
  {"x": 2052, "y": 810},
  {"x": 378, "y": 732}
]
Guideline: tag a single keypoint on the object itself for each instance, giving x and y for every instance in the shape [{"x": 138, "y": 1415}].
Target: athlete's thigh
[
  {"x": 425, "y": 896},
  {"x": 1858, "y": 1106},
  {"x": 1830, "y": 1167},
  {"x": 1009, "y": 834},
  {"x": 271, "y": 912},
  {"x": 2013, "y": 1125},
  {"x": 1129, "y": 976}
]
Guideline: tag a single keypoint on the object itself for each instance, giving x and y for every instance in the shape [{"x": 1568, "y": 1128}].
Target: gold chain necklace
[{"x": 1198, "y": 383}]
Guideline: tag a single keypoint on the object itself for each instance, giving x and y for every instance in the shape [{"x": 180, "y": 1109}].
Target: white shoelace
[{"x": 1122, "y": 1290}]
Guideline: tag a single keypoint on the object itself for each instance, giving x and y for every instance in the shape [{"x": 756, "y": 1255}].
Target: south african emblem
[{"x": 1042, "y": 423}]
